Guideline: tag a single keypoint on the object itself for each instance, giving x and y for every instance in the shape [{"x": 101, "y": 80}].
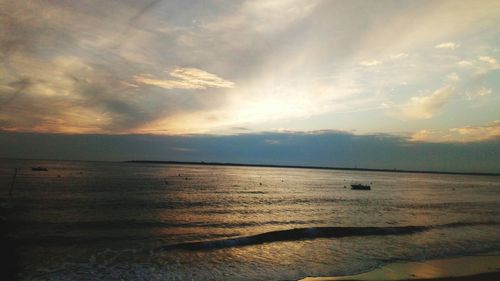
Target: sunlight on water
[{"x": 123, "y": 220}]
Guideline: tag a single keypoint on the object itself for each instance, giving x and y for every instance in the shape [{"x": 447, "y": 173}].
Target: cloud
[
  {"x": 461, "y": 134},
  {"x": 453, "y": 77},
  {"x": 465, "y": 63},
  {"x": 272, "y": 142},
  {"x": 320, "y": 148},
  {"x": 370, "y": 63},
  {"x": 482, "y": 65},
  {"x": 240, "y": 129},
  {"x": 263, "y": 16},
  {"x": 447, "y": 45},
  {"x": 399, "y": 56},
  {"x": 183, "y": 149},
  {"x": 487, "y": 59},
  {"x": 65, "y": 68},
  {"x": 187, "y": 78},
  {"x": 482, "y": 92},
  {"x": 426, "y": 106},
  {"x": 491, "y": 62},
  {"x": 99, "y": 66}
]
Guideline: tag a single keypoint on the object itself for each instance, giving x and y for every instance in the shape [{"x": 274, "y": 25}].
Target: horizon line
[
  {"x": 209, "y": 163},
  {"x": 312, "y": 167}
]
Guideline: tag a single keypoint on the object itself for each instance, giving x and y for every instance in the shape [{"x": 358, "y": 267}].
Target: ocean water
[{"x": 129, "y": 221}]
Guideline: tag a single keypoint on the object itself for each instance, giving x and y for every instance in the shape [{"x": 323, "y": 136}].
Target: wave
[{"x": 309, "y": 233}]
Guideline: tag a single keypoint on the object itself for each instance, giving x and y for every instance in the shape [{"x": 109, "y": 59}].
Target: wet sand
[
  {"x": 480, "y": 268},
  {"x": 489, "y": 276}
]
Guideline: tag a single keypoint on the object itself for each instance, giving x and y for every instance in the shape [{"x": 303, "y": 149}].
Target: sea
[{"x": 137, "y": 221}]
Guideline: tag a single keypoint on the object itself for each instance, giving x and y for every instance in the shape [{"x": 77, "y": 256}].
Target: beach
[
  {"x": 458, "y": 269},
  {"x": 489, "y": 276}
]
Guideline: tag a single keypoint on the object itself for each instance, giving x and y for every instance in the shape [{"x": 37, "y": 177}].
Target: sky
[{"x": 412, "y": 73}]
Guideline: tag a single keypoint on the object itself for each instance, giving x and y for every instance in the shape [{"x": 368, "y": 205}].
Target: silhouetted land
[
  {"x": 8, "y": 257},
  {"x": 313, "y": 167}
]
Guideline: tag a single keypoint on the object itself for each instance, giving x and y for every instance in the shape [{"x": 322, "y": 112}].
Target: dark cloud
[
  {"x": 318, "y": 149},
  {"x": 60, "y": 56},
  {"x": 18, "y": 87},
  {"x": 240, "y": 129}
]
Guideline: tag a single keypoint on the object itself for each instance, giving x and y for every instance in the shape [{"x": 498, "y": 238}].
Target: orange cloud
[
  {"x": 461, "y": 134},
  {"x": 447, "y": 45},
  {"x": 425, "y": 107},
  {"x": 187, "y": 78}
]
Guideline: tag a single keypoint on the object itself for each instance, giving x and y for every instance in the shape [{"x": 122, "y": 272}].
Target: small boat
[
  {"x": 39, "y": 169},
  {"x": 359, "y": 186}
]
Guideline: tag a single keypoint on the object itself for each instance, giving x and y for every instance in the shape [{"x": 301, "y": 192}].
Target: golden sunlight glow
[{"x": 261, "y": 64}]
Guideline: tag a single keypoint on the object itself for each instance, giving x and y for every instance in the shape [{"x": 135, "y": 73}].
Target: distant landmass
[{"x": 312, "y": 167}]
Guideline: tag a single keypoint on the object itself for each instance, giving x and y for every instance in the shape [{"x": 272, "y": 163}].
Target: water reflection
[{"x": 118, "y": 213}]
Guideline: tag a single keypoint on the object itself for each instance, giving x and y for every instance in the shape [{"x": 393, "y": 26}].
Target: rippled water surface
[{"x": 111, "y": 221}]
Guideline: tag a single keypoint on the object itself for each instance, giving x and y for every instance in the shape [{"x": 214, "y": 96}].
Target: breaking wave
[{"x": 309, "y": 233}]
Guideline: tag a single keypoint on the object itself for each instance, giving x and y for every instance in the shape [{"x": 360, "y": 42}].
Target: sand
[{"x": 457, "y": 269}]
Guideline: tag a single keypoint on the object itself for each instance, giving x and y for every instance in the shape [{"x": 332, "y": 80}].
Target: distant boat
[
  {"x": 359, "y": 186},
  {"x": 39, "y": 169}
]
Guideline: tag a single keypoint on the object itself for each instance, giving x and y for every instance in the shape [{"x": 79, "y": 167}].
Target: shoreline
[
  {"x": 481, "y": 268},
  {"x": 230, "y": 164},
  {"x": 487, "y": 276}
]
